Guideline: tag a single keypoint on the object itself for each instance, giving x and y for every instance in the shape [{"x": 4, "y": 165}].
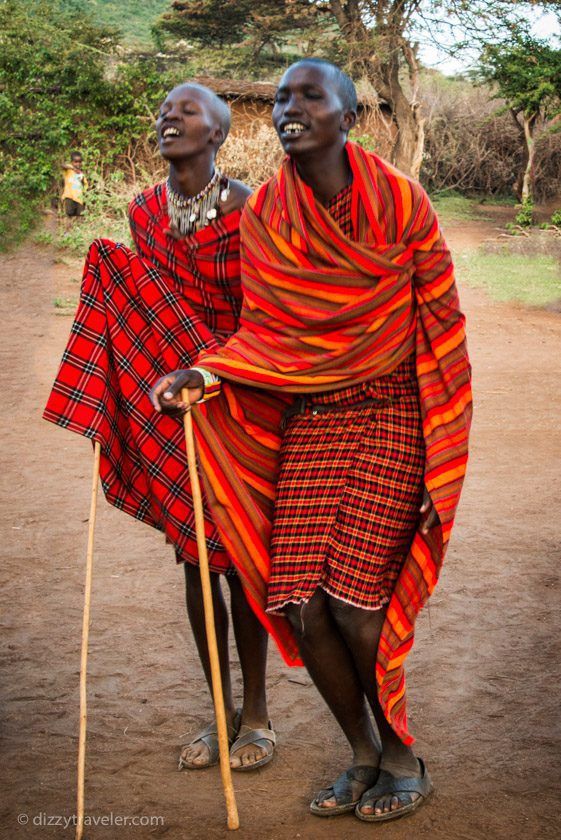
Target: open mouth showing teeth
[
  {"x": 293, "y": 128},
  {"x": 170, "y": 131}
]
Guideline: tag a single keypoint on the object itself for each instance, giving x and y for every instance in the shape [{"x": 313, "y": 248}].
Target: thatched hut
[{"x": 252, "y": 102}]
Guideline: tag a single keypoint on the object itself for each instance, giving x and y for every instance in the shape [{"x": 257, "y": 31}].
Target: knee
[
  {"x": 309, "y": 621},
  {"x": 360, "y": 628},
  {"x": 193, "y": 580}
]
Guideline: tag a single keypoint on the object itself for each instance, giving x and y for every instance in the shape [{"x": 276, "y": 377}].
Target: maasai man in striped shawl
[
  {"x": 339, "y": 498},
  {"x": 138, "y": 316}
]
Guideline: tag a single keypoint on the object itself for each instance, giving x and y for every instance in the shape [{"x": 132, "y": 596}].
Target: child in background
[{"x": 75, "y": 184}]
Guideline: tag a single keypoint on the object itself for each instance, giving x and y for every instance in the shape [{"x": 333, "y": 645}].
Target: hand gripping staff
[{"x": 218, "y": 697}]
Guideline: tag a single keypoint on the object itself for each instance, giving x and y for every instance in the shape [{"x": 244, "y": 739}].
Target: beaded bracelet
[{"x": 211, "y": 384}]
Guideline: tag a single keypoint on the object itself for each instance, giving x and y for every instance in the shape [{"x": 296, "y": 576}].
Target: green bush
[
  {"x": 55, "y": 96},
  {"x": 525, "y": 216}
]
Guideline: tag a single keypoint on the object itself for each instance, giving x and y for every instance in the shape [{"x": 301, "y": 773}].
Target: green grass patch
[
  {"x": 531, "y": 279},
  {"x": 133, "y": 19},
  {"x": 453, "y": 207},
  {"x": 500, "y": 200},
  {"x": 65, "y": 305},
  {"x": 43, "y": 237}
]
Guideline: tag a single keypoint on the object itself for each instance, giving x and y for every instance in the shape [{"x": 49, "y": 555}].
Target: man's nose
[
  {"x": 172, "y": 113},
  {"x": 293, "y": 104}
]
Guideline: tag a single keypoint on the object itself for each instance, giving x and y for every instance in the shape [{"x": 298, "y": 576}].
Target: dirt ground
[{"x": 484, "y": 677}]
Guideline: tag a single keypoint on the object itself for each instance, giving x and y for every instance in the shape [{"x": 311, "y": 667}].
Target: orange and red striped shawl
[{"x": 321, "y": 312}]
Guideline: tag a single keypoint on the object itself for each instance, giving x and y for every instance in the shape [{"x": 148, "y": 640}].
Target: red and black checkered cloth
[
  {"x": 138, "y": 319},
  {"x": 350, "y": 485},
  {"x": 348, "y": 493}
]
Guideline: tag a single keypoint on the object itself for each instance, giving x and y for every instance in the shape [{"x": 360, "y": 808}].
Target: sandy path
[{"x": 484, "y": 676}]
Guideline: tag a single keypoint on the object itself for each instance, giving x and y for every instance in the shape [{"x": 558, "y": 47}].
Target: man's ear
[
  {"x": 348, "y": 120},
  {"x": 217, "y": 136}
]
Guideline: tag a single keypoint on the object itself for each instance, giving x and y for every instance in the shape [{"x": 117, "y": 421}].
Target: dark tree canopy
[{"x": 376, "y": 40}]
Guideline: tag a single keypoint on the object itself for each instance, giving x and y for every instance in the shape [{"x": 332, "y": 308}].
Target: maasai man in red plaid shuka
[
  {"x": 138, "y": 316},
  {"x": 348, "y": 490}
]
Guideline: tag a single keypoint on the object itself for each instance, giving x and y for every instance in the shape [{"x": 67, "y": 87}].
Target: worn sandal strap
[
  {"x": 341, "y": 787},
  {"x": 212, "y": 729},
  {"x": 389, "y": 784},
  {"x": 255, "y": 735}
]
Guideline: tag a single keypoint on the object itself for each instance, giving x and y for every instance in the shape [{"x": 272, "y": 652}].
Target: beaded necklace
[{"x": 196, "y": 212}]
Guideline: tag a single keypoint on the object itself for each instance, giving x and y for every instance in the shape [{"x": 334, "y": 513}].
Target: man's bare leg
[
  {"x": 361, "y": 630},
  {"x": 331, "y": 666},
  {"x": 198, "y": 753},
  {"x": 251, "y": 641}
]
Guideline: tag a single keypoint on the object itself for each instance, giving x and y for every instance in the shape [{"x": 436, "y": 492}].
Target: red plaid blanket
[{"x": 138, "y": 319}]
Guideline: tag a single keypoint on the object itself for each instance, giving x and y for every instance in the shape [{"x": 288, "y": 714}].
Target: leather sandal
[
  {"x": 209, "y": 736},
  {"x": 265, "y": 738},
  {"x": 342, "y": 790},
  {"x": 400, "y": 786}
]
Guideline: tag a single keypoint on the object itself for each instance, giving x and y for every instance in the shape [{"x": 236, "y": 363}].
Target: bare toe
[{"x": 253, "y": 748}]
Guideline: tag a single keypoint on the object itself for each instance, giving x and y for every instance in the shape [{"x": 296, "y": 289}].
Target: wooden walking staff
[
  {"x": 218, "y": 697},
  {"x": 84, "y": 659}
]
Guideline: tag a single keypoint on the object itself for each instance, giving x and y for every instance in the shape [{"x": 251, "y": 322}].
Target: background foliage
[
  {"x": 61, "y": 87},
  {"x": 70, "y": 79}
]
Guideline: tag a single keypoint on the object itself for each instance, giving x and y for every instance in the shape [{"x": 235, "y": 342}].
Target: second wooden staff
[{"x": 218, "y": 697}]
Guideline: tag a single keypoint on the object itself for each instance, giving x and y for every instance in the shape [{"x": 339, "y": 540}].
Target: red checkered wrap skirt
[{"x": 348, "y": 495}]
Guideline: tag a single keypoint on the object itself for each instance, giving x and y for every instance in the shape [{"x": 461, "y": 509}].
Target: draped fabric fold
[
  {"x": 137, "y": 319},
  {"x": 322, "y": 312}
]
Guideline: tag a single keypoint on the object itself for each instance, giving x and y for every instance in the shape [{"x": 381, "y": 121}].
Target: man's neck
[
  {"x": 326, "y": 176},
  {"x": 189, "y": 177}
]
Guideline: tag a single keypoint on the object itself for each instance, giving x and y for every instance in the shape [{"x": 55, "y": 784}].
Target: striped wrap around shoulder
[{"x": 322, "y": 311}]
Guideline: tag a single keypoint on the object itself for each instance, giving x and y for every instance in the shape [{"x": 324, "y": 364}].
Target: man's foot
[
  {"x": 395, "y": 794},
  {"x": 203, "y": 750},
  {"x": 345, "y": 792},
  {"x": 252, "y": 748}
]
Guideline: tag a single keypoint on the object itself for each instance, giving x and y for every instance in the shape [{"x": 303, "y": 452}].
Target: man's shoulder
[
  {"x": 391, "y": 172},
  {"x": 149, "y": 200},
  {"x": 257, "y": 198}
]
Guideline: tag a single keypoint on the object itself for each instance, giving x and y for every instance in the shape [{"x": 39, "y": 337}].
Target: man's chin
[{"x": 172, "y": 151}]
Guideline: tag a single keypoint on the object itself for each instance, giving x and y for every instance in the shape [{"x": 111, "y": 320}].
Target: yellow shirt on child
[{"x": 75, "y": 184}]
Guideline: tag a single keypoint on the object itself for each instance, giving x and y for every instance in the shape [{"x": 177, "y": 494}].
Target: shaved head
[
  {"x": 216, "y": 106},
  {"x": 345, "y": 85}
]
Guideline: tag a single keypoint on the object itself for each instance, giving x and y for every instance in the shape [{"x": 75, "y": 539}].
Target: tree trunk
[
  {"x": 407, "y": 153},
  {"x": 408, "y": 147},
  {"x": 381, "y": 58},
  {"x": 528, "y": 178}
]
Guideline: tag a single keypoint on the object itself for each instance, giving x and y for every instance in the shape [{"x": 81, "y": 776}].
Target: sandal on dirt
[
  {"x": 265, "y": 738},
  {"x": 402, "y": 787},
  {"x": 342, "y": 790},
  {"x": 209, "y": 736}
]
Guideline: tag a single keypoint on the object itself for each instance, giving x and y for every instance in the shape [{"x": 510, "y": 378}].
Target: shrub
[{"x": 525, "y": 216}]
